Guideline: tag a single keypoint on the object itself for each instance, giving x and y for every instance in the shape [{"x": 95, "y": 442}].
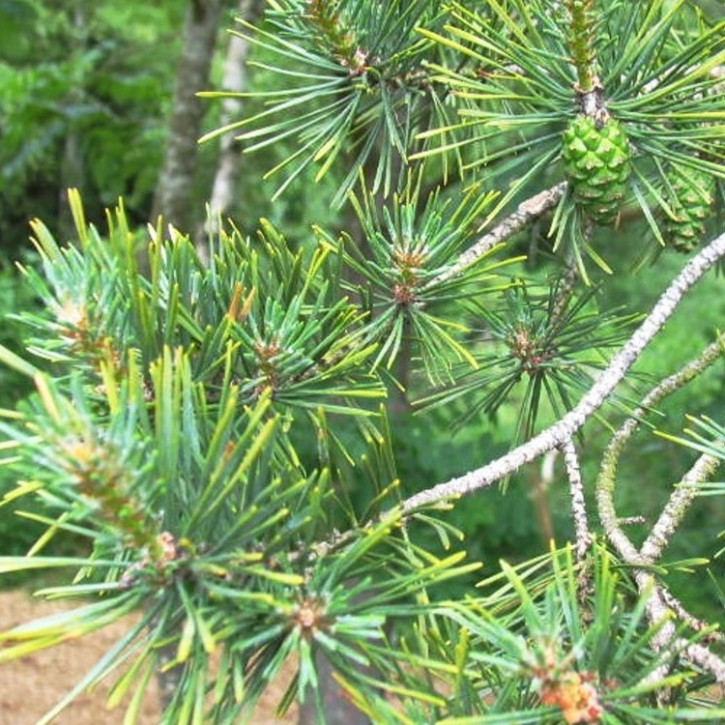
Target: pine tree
[{"x": 172, "y": 394}]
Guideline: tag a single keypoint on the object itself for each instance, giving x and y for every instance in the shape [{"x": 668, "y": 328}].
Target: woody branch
[{"x": 561, "y": 431}]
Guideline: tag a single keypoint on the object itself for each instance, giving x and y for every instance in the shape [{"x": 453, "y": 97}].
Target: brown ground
[{"x": 31, "y": 686}]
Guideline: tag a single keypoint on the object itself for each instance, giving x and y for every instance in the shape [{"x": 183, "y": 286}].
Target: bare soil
[{"x": 31, "y": 686}]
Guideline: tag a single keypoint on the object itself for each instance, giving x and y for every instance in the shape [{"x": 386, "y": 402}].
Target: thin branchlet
[
  {"x": 527, "y": 212},
  {"x": 682, "y": 496},
  {"x": 578, "y": 503},
  {"x": 662, "y": 608}
]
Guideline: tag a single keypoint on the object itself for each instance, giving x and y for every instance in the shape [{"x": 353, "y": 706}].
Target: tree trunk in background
[
  {"x": 72, "y": 174},
  {"x": 334, "y": 700},
  {"x": 227, "y": 173},
  {"x": 72, "y": 166},
  {"x": 175, "y": 185},
  {"x": 337, "y": 708}
]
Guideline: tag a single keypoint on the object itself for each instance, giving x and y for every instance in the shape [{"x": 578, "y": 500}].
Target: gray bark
[
  {"x": 175, "y": 186},
  {"x": 235, "y": 80}
]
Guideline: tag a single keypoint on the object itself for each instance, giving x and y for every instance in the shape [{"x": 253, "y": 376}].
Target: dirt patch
[{"x": 31, "y": 686}]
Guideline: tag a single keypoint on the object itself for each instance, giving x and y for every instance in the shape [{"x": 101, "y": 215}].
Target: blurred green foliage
[
  {"x": 16, "y": 295},
  {"x": 714, "y": 9},
  {"x": 85, "y": 91},
  {"x": 82, "y": 102}
]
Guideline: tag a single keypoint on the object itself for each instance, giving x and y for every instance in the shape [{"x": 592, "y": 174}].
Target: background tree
[
  {"x": 107, "y": 93},
  {"x": 173, "y": 194},
  {"x": 218, "y": 432},
  {"x": 224, "y": 186}
]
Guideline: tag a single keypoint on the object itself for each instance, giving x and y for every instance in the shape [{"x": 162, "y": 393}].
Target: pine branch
[
  {"x": 695, "y": 624},
  {"x": 526, "y": 212},
  {"x": 701, "y": 656},
  {"x": 660, "y": 613},
  {"x": 557, "y": 434},
  {"x": 662, "y": 607}
]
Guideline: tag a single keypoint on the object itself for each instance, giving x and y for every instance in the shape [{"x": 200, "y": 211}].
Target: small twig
[
  {"x": 525, "y": 213},
  {"x": 695, "y": 624},
  {"x": 600, "y": 391},
  {"x": 658, "y": 612},
  {"x": 675, "y": 509},
  {"x": 578, "y": 504},
  {"x": 661, "y": 607},
  {"x": 565, "y": 291},
  {"x": 632, "y": 520}
]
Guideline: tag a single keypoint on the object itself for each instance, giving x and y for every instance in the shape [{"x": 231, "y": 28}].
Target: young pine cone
[
  {"x": 597, "y": 162},
  {"x": 690, "y": 201}
]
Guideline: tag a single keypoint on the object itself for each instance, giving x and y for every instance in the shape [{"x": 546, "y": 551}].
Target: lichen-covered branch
[
  {"x": 578, "y": 504},
  {"x": 662, "y": 607},
  {"x": 701, "y": 656},
  {"x": 658, "y": 612},
  {"x": 681, "y": 497},
  {"x": 695, "y": 624},
  {"x": 674, "y": 511}
]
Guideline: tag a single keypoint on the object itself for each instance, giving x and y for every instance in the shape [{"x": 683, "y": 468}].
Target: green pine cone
[
  {"x": 596, "y": 159},
  {"x": 691, "y": 199}
]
